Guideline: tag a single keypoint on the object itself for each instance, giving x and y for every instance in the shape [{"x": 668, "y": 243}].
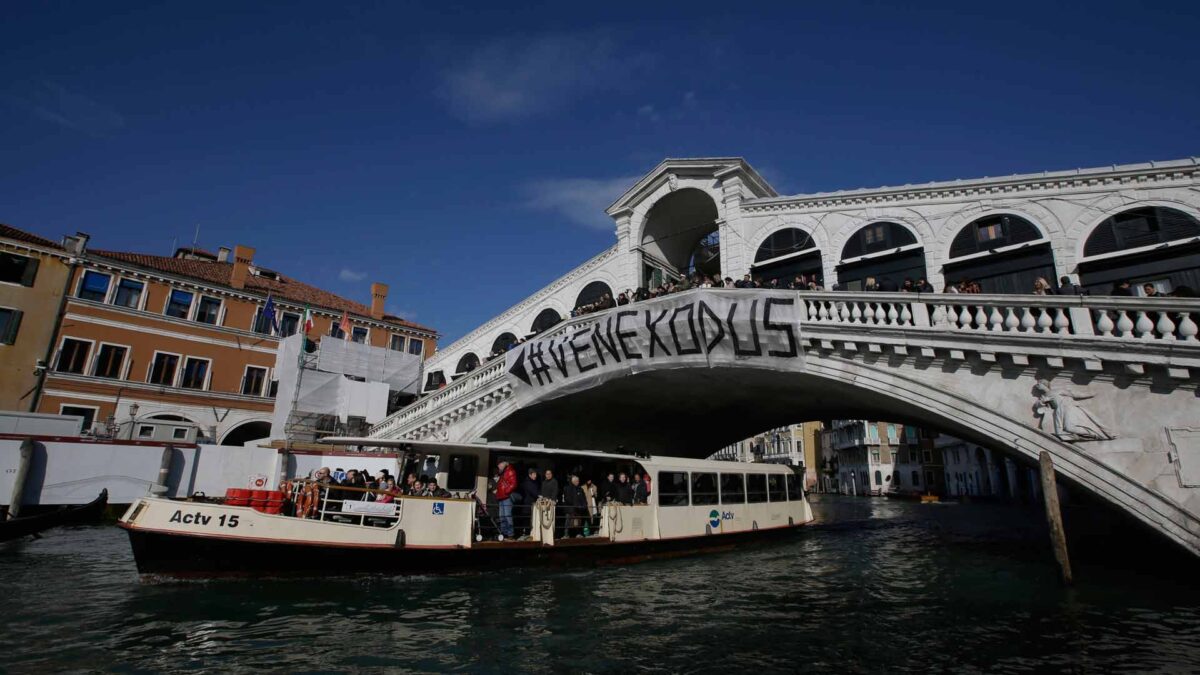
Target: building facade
[
  {"x": 33, "y": 279},
  {"x": 186, "y": 338},
  {"x": 795, "y": 445}
]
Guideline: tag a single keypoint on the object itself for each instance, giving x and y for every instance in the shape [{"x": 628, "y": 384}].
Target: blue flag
[{"x": 269, "y": 314}]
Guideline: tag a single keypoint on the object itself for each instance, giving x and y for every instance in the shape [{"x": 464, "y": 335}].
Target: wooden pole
[
  {"x": 18, "y": 491},
  {"x": 1058, "y": 536}
]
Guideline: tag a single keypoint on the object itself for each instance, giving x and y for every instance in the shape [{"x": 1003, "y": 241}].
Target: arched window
[
  {"x": 246, "y": 432},
  {"x": 1012, "y": 271},
  {"x": 786, "y": 254},
  {"x": 886, "y": 265},
  {"x": 467, "y": 363},
  {"x": 916, "y": 479},
  {"x": 1129, "y": 246},
  {"x": 592, "y": 293},
  {"x": 879, "y": 478},
  {"x": 546, "y": 319},
  {"x": 502, "y": 342}
]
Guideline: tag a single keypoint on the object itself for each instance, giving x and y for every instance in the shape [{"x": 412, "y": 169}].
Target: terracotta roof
[
  {"x": 284, "y": 287},
  {"x": 9, "y": 232}
]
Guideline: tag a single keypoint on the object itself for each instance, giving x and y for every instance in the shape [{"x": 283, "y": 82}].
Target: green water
[{"x": 875, "y": 586}]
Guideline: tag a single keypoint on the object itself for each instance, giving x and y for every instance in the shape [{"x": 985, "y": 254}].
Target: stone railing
[{"x": 1121, "y": 324}]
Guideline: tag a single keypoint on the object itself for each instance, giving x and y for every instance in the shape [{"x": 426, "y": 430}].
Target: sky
[{"x": 464, "y": 155}]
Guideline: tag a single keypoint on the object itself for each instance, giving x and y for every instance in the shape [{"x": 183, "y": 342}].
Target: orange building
[{"x": 185, "y": 338}]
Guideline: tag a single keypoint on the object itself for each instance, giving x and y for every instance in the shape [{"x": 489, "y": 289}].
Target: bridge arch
[
  {"x": 592, "y": 293},
  {"x": 545, "y": 320},
  {"x": 502, "y": 342},
  {"x": 466, "y": 363},
  {"x": 785, "y": 251},
  {"x": 884, "y": 249},
  {"x": 673, "y": 234},
  {"x": 972, "y": 252},
  {"x": 1146, "y": 242}
]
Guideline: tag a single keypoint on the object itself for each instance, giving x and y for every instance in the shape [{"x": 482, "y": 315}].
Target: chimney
[
  {"x": 77, "y": 244},
  {"x": 378, "y": 297},
  {"x": 242, "y": 257},
  {"x": 223, "y": 254}
]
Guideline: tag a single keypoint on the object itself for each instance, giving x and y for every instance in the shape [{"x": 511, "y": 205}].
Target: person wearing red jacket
[{"x": 505, "y": 484}]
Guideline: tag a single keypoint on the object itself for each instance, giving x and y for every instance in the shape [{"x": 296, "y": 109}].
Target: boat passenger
[
  {"x": 574, "y": 506},
  {"x": 639, "y": 488},
  {"x": 623, "y": 491},
  {"x": 590, "y": 491},
  {"x": 435, "y": 491},
  {"x": 550, "y": 486},
  {"x": 506, "y": 482},
  {"x": 530, "y": 491},
  {"x": 608, "y": 490}
]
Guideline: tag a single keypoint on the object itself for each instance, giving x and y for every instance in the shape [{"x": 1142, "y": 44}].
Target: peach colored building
[{"x": 185, "y": 338}]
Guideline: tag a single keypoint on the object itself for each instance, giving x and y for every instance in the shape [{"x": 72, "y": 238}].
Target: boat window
[
  {"x": 756, "y": 488},
  {"x": 704, "y": 488},
  {"x": 733, "y": 488},
  {"x": 461, "y": 474},
  {"x": 793, "y": 487},
  {"x": 775, "y": 487},
  {"x": 672, "y": 488}
]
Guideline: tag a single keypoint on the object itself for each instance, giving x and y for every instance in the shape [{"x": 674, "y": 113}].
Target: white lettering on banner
[
  {"x": 703, "y": 328},
  {"x": 373, "y": 508}
]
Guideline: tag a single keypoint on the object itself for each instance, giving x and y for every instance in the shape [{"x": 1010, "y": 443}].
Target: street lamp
[{"x": 133, "y": 411}]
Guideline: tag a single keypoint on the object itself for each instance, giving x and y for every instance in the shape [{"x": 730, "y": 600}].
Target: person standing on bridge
[{"x": 506, "y": 482}]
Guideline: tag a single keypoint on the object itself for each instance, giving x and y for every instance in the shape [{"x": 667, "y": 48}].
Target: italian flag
[{"x": 308, "y": 320}]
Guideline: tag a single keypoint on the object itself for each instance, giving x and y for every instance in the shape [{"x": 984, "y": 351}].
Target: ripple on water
[{"x": 877, "y": 585}]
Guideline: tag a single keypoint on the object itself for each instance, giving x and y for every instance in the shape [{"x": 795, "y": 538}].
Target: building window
[
  {"x": 179, "y": 433},
  {"x": 179, "y": 304},
  {"x": 17, "y": 269},
  {"x": 358, "y": 334},
  {"x": 146, "y": 431},
  {"x": 109, "y": 361},
  {"x": 916, "y": 478},
  {"x": 94, "y": 286},
  {"x": 336, "y": 331},
  {"x": 672, "y": 488},
  {"x": 288, "y": 324},
  {"x": 928, "y": 456},
  {"x": 129, "y": 293},
  {"x": 162, "y": 370},
  {"x": 195, "y": 373},
  {"x": 879, "y": 478},
  {"x": 10, "y": 323},
  {"x": 756, "y": 488},
  {"x": 88, "y": 414},
  {"x": 872, "y": 433},
  {"x": 397, "y": 343},
  {"x": 776, "y": 488},
  {"x": 875, "y": 456},
  {"x": 989, "y": 232},
  {"x": 252, "y": 383},
  {"x": 704, "y": 488},
  {"x": 733, "y": 488},
  {"x": 73, "y": 356},
  {"x": 872, "y": 234},
  {"x": 891, "y": 432},
  {"x": 262, "y": 324},
  {"x": 209, "y": 310},
  {"x": 415, "y": 346}
]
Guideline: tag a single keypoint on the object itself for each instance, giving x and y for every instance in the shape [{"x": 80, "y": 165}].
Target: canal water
[{"x": 877, "y": 585}]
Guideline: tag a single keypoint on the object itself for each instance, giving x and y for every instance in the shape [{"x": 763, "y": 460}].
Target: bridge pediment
[{"x": 670, "y": 171}]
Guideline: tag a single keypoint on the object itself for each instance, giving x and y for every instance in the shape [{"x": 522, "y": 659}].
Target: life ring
[
  {"x": 306, "y": 501},
  {"x": 545, "y": 513}
]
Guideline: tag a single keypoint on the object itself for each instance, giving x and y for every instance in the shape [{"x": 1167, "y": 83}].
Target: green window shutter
[
  {"x": 31, "y": 269},
  {"x": 10, "y": 333}
]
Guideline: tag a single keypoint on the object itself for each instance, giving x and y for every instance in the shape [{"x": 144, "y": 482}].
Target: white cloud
[
  {"x": 348, "y": 274},
  {"x": 580, "y": 200},
  {"x": 68, "y": 109},
  {"x": 516, "y": 78},
  {"x": 647, "y": 111},
  {"x": 402, "y": 313}
]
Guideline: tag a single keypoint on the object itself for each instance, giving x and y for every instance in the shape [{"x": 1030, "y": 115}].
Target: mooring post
[
  {"x": 1058, "y": 536},
  {"x": 164, "y": 471},
  {"x": 18, "y": 491}
]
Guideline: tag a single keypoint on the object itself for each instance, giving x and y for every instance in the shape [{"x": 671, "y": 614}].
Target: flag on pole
[
  {"x": 269, "y": 314},
  {"x": 308, "y": 320},
  {"x": 344, "y": 325}
]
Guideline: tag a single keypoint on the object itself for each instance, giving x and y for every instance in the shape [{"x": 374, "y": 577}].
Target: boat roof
[{"x": 658, "y": 461}]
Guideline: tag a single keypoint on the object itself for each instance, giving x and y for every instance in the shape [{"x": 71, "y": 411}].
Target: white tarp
[
  {"x": 399, "y": 369},
  {"x": 758, "y": 329}
]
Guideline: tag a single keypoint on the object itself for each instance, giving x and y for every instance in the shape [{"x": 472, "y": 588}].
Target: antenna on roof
[
  {"x": 196, "y": 239},
  {"x": 174, "y": 243}
]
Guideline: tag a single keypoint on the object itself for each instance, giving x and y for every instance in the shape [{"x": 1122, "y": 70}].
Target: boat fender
[
  {"x": 400, "y": 539},
  {"x": 754, "y": 525},
  {"x": 707, "y": 528},
  {"x": 791, "y": 523}
]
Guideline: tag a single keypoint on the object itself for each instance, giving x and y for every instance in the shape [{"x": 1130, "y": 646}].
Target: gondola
[{"x": 67, "y": 515}]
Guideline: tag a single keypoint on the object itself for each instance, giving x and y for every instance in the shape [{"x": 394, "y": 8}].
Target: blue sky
[{"x": 464, "y": 155}]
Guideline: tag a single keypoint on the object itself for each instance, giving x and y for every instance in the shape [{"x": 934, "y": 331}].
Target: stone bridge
[{"x": 1107, "y": 385}]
